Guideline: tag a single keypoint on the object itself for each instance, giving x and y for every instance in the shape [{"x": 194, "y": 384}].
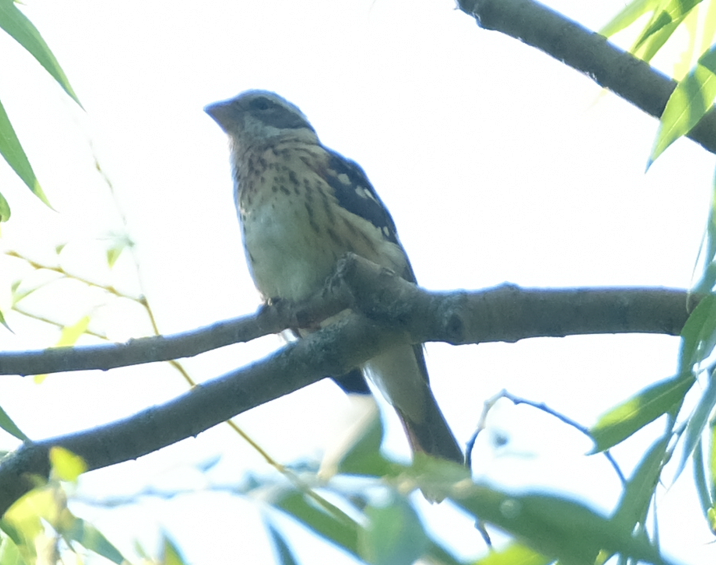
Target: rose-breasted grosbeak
[{"x": 303, "y": 206}]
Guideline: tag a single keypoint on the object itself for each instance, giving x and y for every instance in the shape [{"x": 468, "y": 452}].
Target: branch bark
[
  {"x": 335, "y": 350},
  {"x": 588, "y": 52},
  {"x": 504, "y": 313},
  {"x": 388, "y": 310}
]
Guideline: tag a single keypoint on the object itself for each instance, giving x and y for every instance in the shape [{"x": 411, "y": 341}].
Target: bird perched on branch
[{"x": 302, "y": 207}]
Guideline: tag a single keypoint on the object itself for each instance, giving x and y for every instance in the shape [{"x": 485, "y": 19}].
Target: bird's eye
[{"x": 261, "y": 104}]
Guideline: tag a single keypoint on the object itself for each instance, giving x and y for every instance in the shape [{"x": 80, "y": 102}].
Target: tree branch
[
  {"x": 588, "y": 52},
  {"x": 335, "y": 350},
  {"x": 389, "y": 310},
  {"x": 504, "y": 313}
]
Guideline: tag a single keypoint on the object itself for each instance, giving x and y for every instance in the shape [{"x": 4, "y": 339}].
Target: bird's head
[{"x": 257, "y": 118}]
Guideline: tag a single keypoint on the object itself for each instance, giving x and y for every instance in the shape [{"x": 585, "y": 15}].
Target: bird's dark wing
[
  {"x": 356, "y": 194},
  {"x": 353, "y": 382}
]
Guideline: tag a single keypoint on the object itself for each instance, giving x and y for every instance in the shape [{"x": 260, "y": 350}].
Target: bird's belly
[{"x": 287, "y": 255}]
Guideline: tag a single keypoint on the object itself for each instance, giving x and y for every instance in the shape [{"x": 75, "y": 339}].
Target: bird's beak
[{"x": 220, "y": 112}]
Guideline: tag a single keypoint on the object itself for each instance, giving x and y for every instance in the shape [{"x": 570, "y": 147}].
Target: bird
[{"x": 302, "y": 207}]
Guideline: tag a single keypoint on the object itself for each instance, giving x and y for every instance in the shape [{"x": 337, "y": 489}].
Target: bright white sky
[{"x": 498, "y": 164}]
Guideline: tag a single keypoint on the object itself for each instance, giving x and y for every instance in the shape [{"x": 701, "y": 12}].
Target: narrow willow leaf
[
  {"x": 691, "y": 99},
  {"x": 70, "y": 334},
  {"x": 687, "y": 57},
  {"x": 661, "y": 23},
  {"x": 438, "y": 554},
  {"x": 91, "y": 538},
  {"x": 10, "y": 554},
  {"x": 171, "y": 554},
  {"x": 671, "y": 14},
  {"x": 712, "y": 463},
  {"x": 698, "y": 334},
  {"x": 4, "y": 209},
  {"x": 333, "y": 526},
  {"x": 514, "y": 554},
  {"x": 113, "y": 254},
  {"x": 3, "y": 322},
  {"x": 362, "y": 454},
  {"x": 639, "y": 490},
  {"x": 10, "y": 427},
  {"x": 648, "y": 49},
  {"x": 707, "y": 249},
  {"x": 557, "y": 527},
  {"x": 632, "y": 12},
  {"x": 698, "y": 422},
  {"x": 436, "y": 477},
  {"x": 708, "y": 60},
  {"x": 638, "y": 411},
  {"x": 711, "y": 512},
  {"x": 708, "y": 31},
  {"x": 394, "y": 536},
  {"x": 281, "y": 548},
  {"x": 703, "y": 487},
  {"x": 708, "y": 277},
  {"x": 118, "y": 243},
  {"x": 16, "y": 24},
  {"x": 23, "y": 521},
  {"x": 66, "y": 465},
  {"x": 12, "y": 152}
]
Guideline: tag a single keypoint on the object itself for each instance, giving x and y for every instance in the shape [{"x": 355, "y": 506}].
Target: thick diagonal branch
[
  {"x": 333, "y": 351},
  {"x": 588, "y": 52}
]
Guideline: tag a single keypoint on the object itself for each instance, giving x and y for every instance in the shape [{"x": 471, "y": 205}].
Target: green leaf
[
  {"x": 698, "y": 421},
  {"x": 15, "y": 23},
  {"x": 281, "y": 548},
  {"x": 333, "y": 526},
  {"x": 708, "y": 60},
  {"x": 712, "y": 471},
  {"x": 708, "y": 31},
  {"x": 3, "y": 322},
  {"x": 436, "y": 553},
  {"x": 91, "y": 538},
  {"x": 631, "y": 13},
  {"x": 639, "y": 490},
  {"x": 362, "y": 455},
  {"x": 9, "y": 553},
  {"x": 119, "y": 242},
  {"x": 70, "y": 334},
  {"x": 170, "y": 553},
  {"x": 435, "y": 477},
  {"x": 707, "y": 250},
  {"x": 514, "y": 554},
  {"x": 23, "y": 521},
  {"x": 638, "y": 411},
  {"x": 66, "y": 465},
  {"x": 113, "y": 254},
  {"x": 690, "y": 25},
  {"x": 4, "y": 209},
  {"x": 672, "y": 13},
  {"x": 394, "y": 536},
  {"x": 557, "y": 527},
  {"x": 10, "y": 427},
  {"x": 691, "y": 99},
  {"x": 660, "y": 21},
  {"x": 698, "y": 334},
  {"x": 704, "y": 488},
  {"x": 13, "y": 153},
  {"x": 651, "y": 46}
]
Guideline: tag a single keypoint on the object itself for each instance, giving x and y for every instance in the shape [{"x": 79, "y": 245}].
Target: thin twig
[{"x": 490, "y": 403}]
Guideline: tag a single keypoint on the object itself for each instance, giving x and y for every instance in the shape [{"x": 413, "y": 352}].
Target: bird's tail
[
  {"x": 432, "y": 435},
  {"x": 402, "y": 377}
]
